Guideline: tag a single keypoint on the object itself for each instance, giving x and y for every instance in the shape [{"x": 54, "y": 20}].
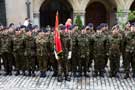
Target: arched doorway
[
  {"x": 132, "y": 8},
  {"x": 96, "y": 13},
  {"x": 48, "y": 11},
  {"x": 2, "y": 12}
]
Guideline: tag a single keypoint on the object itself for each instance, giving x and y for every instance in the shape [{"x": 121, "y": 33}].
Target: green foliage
[
  {"x": 120, "y": 13},
  {"x": 78, "y": 22},
  {"x": 131, "y": 16}
]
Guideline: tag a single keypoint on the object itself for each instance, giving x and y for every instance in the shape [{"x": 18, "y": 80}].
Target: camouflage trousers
[
  {"x": 114, "y": 63},
  {"x": 30, "y": 63},
  {"x": 99, "y": 62},
  {"x": 53, "y": 62},
  {"x": 19, "y": 61},
  {"x": 42, "y": 61},
  {"x": 129, "y": 59},
  {"x": 7, "y": 61}
]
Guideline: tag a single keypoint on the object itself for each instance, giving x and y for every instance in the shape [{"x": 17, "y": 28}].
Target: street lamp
[{"x": 28, "y": 8}]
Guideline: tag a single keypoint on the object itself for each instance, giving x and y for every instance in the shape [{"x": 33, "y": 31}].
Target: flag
[{"x": 57, "y": 40}]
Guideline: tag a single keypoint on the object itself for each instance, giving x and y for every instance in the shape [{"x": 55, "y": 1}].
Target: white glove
[
  {"x": 56, "y": 56},
  {"x": 69, "y": 55}
]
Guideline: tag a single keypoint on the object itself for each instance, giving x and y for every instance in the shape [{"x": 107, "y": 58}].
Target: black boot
[
  {"x": 85, "y": 74},
  {"x": 126, "y": 76},
  {"x": 17, "y": 73},
  {"x": 67, "y": 78},
  {"x": 101, "y": 74},
  {"x": 95, "y": 74},
  {"x": 55, "y": 74},
  {"x": 29, "y": 73},
  {"x": 43, "y": 74},
  {"x": 9, "y": 72},
  {"x": 133, "y": 75},
  {"x": 60, "y": 79},
  {"x": 23, "y": 73},
  {"x": 33, "y": 74},
  {"x": 74, "y": 74},
  {"x": 5, "y": 74},
  {"x": 79, "y": 74}
]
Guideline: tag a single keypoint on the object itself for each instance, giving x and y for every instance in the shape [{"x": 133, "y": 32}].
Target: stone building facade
[{"x": 42, "y": 12}]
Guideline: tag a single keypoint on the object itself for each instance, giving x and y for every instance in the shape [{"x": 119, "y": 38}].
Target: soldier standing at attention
[
  {"x": 18, "y": 51},
  {"x": 50, "y": 50},
  {"x": 99, "y": 52},
  {"x": 90, "y": 31},
  {"x": 130, "y": 52},
  {"x": 83, "y": 52},
  {"x": 6, "y": 49},
  {"x": 30, "y": 51},
  {"x": 75, "y": 50},
  {"x": 41, "y": 49},
  {"x": 115, "y": 52}
]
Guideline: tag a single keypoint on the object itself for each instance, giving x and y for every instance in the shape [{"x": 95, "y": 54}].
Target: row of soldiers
[{"x": 29, "y": 50}]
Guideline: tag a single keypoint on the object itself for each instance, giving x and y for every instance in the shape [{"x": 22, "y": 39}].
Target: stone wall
[{"x": 16, "y": 10}]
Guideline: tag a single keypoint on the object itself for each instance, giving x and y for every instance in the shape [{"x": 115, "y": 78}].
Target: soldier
[
  {"x": 130, "y": 52},
  {"x": 90, "y": 31},
  {"x": 75, "y": 50},
  {"x": 99, "y": 52},
  {"x": 41, "y": 49},
  {"x": 83, "y": 52},
  {"x": 106, "y": 32},
  {"x": 6, "y": 49},
  {"x": 11, "y": 33},
  {"x": 30, "y": 51},
  {"x": 18, "y": 51},
  {"x": 115, "y": 52},
  {"x": 51, "y": 56},
  {"x": 124, "y": 34},
  {"x": 64, "y": 63}
]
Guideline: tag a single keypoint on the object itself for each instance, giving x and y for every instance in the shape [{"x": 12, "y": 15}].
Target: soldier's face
[{"x": 132, "y": 29}]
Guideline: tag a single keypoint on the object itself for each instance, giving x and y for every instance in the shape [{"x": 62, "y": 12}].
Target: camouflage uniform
[
  {"x": 18, "y": 51},
  {"x": 91, "y": 49},
  {"x": 99, "y": 53},
  {"x": 51, "y": 56},
  {"x": 75, "y": 52},
  {"x": 129, "y": 53},
  {"x": 6, "y": 49},
  {"x": 64, "y": 65},
  {"x": 114, "y": 53},
  {"x": 83, "y": 53},
  {"x": 30, "y": 47},
  {"x": 41, "y": 49}
]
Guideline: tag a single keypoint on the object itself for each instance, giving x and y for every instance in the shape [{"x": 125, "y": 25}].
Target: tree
[
  {"x": 78, "y": 22},
  {"x": 131, "y": 16}
]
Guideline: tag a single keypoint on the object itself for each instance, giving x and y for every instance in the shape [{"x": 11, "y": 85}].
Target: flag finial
[{"x": 57, "y": 12}]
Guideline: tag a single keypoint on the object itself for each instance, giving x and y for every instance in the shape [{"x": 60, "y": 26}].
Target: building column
[
  {"x": 122, "y": 16},
  {"x": 81, "y": 14},
  {"x": 36, "y": 16}
]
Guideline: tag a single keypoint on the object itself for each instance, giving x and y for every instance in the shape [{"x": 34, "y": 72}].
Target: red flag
[{"x": 57, "y": 40}]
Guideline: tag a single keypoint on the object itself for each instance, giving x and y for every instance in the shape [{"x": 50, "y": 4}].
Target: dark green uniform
[
  {"x": 129, "y": 53},
  {"x": 83, "y": 53},
  {"x": 51, "y": 55},
  {"x": 75, "y": 52},
  {"x": 18, "y": 51},
  {"x": 41, "y": 49},
  {"x": 30, "y": 51},
  {"x": 114, "y": 53},
  {"x": 91, "y": 48},
  {"x": 99, "y": 53},
  {"x": 6, "y": 49},
  {"x": 64, "y": 64}
]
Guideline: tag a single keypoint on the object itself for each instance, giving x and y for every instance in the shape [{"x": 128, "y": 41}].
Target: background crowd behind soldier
[{"x": 26, "y": 49}]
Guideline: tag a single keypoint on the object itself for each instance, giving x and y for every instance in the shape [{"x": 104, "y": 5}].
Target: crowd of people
[{"x": 31, "y": 49}]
